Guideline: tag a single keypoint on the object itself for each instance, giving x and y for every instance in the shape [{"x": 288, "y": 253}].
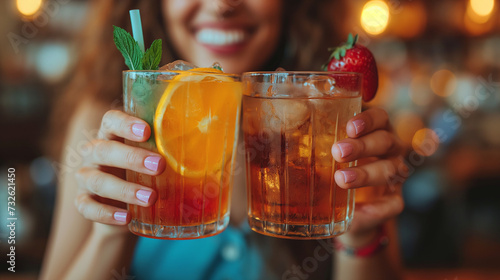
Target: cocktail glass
[
  {"x": 194, "y": 117},
  {"x": 290, "y": 122}
]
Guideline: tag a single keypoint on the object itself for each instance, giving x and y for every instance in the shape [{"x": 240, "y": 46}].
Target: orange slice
[{"x": 196, "y": 121}]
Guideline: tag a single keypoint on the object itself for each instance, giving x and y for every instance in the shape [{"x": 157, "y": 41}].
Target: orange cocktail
[{"x": 194, "y": 116}]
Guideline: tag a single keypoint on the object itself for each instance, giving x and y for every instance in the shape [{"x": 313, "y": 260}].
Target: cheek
[
  {"x": 269, "y": 13},
  {"x": 177, "y": 14}
]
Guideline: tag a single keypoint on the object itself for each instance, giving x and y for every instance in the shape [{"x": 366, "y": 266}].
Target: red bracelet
[{"x": 378, "y": 243}]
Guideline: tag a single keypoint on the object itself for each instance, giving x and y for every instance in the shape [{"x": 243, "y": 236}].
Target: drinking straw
[{"x": 135, "y": 19}]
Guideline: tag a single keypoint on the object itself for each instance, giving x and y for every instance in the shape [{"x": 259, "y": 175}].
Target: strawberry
[{"x": 352, "y": 57}]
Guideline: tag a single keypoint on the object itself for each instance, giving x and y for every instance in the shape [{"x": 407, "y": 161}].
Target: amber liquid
[
  {"x": 291, "y": 189},
  {"x": 182, "y": 201},
  {"x": 188, "y": 205}
]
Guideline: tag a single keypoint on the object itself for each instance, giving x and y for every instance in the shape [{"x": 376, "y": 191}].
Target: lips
[{"x": 220, "y": 37}]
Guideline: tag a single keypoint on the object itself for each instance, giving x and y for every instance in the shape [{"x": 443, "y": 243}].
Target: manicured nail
[
  {"x": 345, "y": 149},
  {"x": 151, "y": 163},
  {"x": 143, "y": 195},
  {"x": 349, "y": 176},
  {"x": 138, "y": 129},
  {"x": 120, "y": 216},
  {"x": 359, "y": 126}
]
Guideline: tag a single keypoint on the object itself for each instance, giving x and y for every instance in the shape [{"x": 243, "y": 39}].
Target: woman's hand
[
  {"x": 103, "y": 191},
  {"x": 370, "y": 136}
]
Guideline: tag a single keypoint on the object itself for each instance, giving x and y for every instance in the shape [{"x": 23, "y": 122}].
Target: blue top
[{"x": 228, "y": 255}]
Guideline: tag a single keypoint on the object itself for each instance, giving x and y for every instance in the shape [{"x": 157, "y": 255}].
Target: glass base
[
  {"x": 178, "y": 232},
  {"x": 299, "y": 231}
]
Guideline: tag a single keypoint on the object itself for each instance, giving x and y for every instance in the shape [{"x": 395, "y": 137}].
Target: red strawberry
[{"x": 352, "y": 57}]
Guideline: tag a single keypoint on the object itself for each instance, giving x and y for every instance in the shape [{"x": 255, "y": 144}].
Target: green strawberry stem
[{"x": 340, "y": 52}]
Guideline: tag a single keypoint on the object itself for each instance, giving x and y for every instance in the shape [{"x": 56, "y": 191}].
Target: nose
[{"x": 224, "y": 8}]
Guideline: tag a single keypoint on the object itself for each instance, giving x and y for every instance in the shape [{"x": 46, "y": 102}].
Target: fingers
[
  {"x": 382, "y": 172},
  {"x": 99, "y": 212},
  {"x": 378, "y": 143},
  {"x": 109, "y": 186},
  {"x": 367, "y": 121},
  {"x": 120, "y": 155},
  {"x": 119, "y": 124},
  {"x": 377, "y": 212}
]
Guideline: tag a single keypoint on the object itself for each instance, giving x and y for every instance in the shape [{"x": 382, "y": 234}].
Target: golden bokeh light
[
  {"x": 425, "y": 142},
  {"x": 375, "y": 17},
  {"x": 479, "y": 11},
  {"x": 406, "y": 125},
  {"x": 28, "y": 7},
  {"x": 443, "y": 83},
  {"x": 482, "y": 7}
]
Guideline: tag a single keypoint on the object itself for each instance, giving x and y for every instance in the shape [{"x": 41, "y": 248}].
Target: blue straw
[{"x": 135, "y": 19}]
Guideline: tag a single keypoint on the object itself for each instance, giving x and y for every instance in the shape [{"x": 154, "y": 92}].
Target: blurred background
[{"x": 439, "y": 65}]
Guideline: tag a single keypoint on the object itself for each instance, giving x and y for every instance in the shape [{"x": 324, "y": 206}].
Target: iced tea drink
[
  {"x": 194, "y": 116},
  {"x": 290, "y": 122}
]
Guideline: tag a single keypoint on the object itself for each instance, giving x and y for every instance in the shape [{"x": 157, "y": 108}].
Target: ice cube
[
  {"x": 320, "y": 86},
  {"x": 178, "y": 65},
  {"x": 284, "y": 114}
]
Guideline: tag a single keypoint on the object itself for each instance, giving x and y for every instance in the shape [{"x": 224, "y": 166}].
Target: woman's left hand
[{"x": 370, "y": 135}]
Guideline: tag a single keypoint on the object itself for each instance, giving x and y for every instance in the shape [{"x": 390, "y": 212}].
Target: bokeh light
[
  {"x": 28, "y": 7},
  {"x": 52, "y": 61},
  {"x": 482, "y": 7},
  {"x": 479, "y": 11},
  {"x": 375, "y": 17},
  {"x": 407, "y": 124},
  {"x": 425, "y": 142},
  {"x": 443, "y": 83}
]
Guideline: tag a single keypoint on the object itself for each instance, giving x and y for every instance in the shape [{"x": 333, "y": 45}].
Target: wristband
[{"x": 379, "y": 242}]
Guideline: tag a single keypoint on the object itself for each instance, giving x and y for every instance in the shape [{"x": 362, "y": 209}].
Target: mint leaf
[
  {"x": 152, "y": 57},
  {"x": 128, "y": 47}
]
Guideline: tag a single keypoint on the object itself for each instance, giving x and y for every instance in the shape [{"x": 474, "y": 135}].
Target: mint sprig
[
  {"x": 152, "y": 57},
  {"x": 134, "y": 57}
]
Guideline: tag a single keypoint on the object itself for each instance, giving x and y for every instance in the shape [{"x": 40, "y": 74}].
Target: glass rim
[
  {"x": 180, "y": 72},
  {"x": 300, "y": 73}
]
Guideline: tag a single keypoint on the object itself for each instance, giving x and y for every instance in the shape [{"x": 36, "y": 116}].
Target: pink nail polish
[
  {"x": 143, "y": 195},
  {"x": 345, "y": 149},
  {"x": 120, "y": 216},
  {"x": 151, "y": 163},
  {"x": 349, "y": 176},
  {"x": 359, "y": 126},
  {"x": 138, "y": 129}
]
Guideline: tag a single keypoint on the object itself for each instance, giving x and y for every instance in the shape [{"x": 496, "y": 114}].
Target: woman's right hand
[{"x": 103, "y": 190}]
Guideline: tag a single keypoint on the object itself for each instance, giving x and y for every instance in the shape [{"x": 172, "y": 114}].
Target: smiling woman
[
  {"x": 208, "y": 31},
  {"x": 91, "y": 241}
]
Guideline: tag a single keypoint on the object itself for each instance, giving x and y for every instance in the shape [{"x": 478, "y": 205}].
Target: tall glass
[
  {"x": 290, "y": 122},
  {"x": 194, "y": 190}
]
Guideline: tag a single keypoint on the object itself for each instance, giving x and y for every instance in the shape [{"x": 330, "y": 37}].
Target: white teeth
[{"x": 220, "y": 37}]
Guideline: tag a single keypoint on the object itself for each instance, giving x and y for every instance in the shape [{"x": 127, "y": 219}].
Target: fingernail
[
  {"x": 349, "y": 176},
  {"x": 151, "y": 163},
  {"x": 359, "y": 126},
  {"x": 138, "y": 129},
  {"x": 345, "y": 149},
  {"x": 120, "y": 216},
  {"x": 143, "y": 195}
]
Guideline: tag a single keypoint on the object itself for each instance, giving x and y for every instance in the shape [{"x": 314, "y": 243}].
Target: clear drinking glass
[
  {"x": 290, "y": 122},
  {"x": 194, "y": 117}
]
